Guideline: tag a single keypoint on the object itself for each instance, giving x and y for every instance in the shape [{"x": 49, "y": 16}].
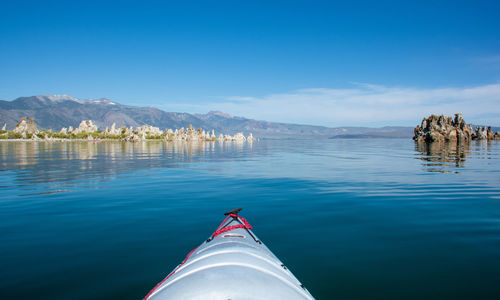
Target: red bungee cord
[{"x": 218, "y": 231}]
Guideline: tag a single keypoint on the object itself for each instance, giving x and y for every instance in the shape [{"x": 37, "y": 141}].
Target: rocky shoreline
[
  {"x": 447, "y": 129},
  {"x": 27, "y": 130}
]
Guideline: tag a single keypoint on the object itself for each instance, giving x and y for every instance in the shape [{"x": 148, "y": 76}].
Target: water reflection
[
  {"x": 442, "y": 157},
  {"x": 451, "y": 157},
  {"x": 68, "y": 161}
]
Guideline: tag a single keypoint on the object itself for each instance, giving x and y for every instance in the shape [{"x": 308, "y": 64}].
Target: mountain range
[{"x": 57, "y": 111}]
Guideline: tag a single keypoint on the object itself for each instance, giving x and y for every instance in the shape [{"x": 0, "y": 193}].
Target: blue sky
[{"x": 370, "y": 63}]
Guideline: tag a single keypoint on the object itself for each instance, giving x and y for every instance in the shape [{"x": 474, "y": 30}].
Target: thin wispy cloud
[
  {"x": 487, "y": 62},
  {"x": 495, "y": 59},
  {"x": 364, "y": 105}
]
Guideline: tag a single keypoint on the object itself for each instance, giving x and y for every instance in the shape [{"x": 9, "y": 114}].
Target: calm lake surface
[{"x": 352, "y": 219}]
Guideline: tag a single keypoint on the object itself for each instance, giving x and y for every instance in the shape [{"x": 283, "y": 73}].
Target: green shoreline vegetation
[{"x": 48, "y": 134}]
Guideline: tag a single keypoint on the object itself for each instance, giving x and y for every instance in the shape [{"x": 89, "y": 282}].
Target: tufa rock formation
[
  {"x": 85, "y": 126},
  {"x": 447, "y": 129},
  {"x": 88, "y": 130},
  {"x": 26, "y": 127},
  {"x": 483, "y": 133}
]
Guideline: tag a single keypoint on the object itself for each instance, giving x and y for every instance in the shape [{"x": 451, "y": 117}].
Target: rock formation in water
[
  {"x": 26, "y": 128},
  {"x": 88, "y": 130},
  {"x": 447, "y": 129},
  {"x": 112, "y": 130},
  {"x": 485, "y": 133},
  {"x": 85, "y": 126}
]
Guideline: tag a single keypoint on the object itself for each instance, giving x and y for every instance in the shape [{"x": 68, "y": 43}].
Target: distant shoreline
[
  {"x": 120, "y": 141},
  {"x": 27, "y": 130}
]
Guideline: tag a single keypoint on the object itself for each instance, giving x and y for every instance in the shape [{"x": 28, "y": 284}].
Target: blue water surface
[{"x": 351, "y": 218}]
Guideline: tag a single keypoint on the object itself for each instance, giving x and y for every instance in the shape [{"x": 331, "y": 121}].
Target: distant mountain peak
[
  {"x": 220, "y": 114},
  {"x": 101, "y": 101},
  {"x": 57, "y": 98},
  {"x": 50, "y": 98}
]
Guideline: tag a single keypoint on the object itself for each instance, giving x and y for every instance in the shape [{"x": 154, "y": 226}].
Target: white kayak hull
[{"x": 232, "y": 264}]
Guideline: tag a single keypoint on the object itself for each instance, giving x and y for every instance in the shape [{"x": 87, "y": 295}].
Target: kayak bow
[{"x": 232, "y": 264}]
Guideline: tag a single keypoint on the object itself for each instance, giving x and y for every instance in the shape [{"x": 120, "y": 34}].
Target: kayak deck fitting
[{"x": 232, "y": 264}]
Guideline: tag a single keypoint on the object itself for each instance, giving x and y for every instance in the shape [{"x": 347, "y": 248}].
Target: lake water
[{"x": 352, "y": 219}]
